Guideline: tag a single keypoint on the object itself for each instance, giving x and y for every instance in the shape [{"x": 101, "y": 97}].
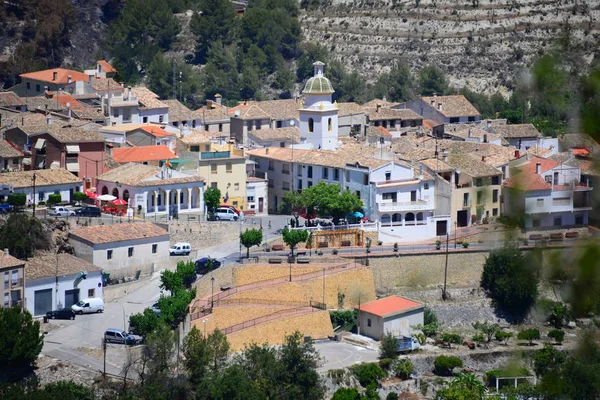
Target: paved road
[{"x": 340, "y": 354}]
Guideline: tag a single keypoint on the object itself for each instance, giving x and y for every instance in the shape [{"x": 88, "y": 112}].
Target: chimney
[
  {"x": 433, "y": 102},
  {"x": 470, "y": 133},
  {"x": 482, "y": 158},
  {"x": 485, "y": 138},
  {"x": 128, "y": 92},
  {"x": 54, "y": 75},
  {"x": 6, "y": 252},
  {"x": 440, "y": 106},
  {"x": 266, "y": 150},
  {"x": 445, "y": 155},
  {"x": 517, "y": 154},
  {"x": 48, "y": 120},
  {"x": 69, "y": 79},
  {"x": 538, "y": 168},
  {"x": 489, "y": 125},
  {"x": 218, "y": 98},
  {"x": 378, "y": 107}
]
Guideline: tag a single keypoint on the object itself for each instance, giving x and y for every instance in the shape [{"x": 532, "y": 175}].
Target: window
[
  {"x": 130, "y": 252},
  {"x": 6, "y": 276},
  {"x": 466, "y": 202},
  {"x": 154, "y": 248},
  {"x": 299, "y": 170},
  {"x": 336, "y": 174},
  {"x": 413, "y": 195},
  {"x": 393, "y": 123},
  {"x": 299, "y": 184},
  {"x": 390, "y": 196},
  {"x": 281, "y": 144},
  {"x": 535, "y": 222},
  {"x": 309, "y": 173},
  {"x": 5, "y": 299},
  {"x": 579, "y": 219},
  {"x": 220, "y": 127},
  {"x": 540, "y": 202},
  {"x": 195, "y": 148},
  {"x": 561, "y": 201},
  {"x": 213, "y": 168},
  {"x": 91, "y": 293},
  {"x": 556, "y": 178},
  {"x": 471, "y": 119},
  {"x": 388, "y": 176},
  {"x": 109, "y": 254},
  {"x": 271, "y": 165},
  {"x": 325, "y": 173},
  {"x": 161, "y": 119},
  {"x": 206, "y": 127},
  {"x": 309, "y": 184},
  {"x": 557, "y": 221},
  {"x": 368, "y": 321},
  {"x": 495, "y": 196},
  {"x": 329, "y": 125},
  {"x": 548, "y": 178},
  {"x": 235, "y": 204},
  {"x": 213, "y": 185},
  {"x": 37, "y": 88},
  {"x": 115, "y": 112},
  {"x": 257, "y": 124},
  {"x": 365, "y": 179},
  {"x": 357, "y": 193},
  {"x": 41, "y": 196},
  {"x": 279, "y": 124},
  {"x": 311, "y": 125},
  {"x": 285, "y": 168},
  {"x": 478, "y": 182},
  {"x": 426, "y": 186},
  {"x": 249, "y": 125},
  {"x": 285, "y": 186},
  {"x": 28, "y": 85},
  {"x": 271, "y": 183},
  {"x": 145, "y": 120},
  {"x": 454, "y": 120},
  {"x": 495, "y": 180},
  {"x": 236, "y": 187},
  {"x": 250, "y": 199},
  {"x": 494, "y": 212},
  {"x": 228, "y": 167}
]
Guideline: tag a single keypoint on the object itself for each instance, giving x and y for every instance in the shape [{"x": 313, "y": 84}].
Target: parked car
[
  {"x": 4, "y": 208},
  {"x": 63, "y": 313},
  {"x": 119, "y": 336},
  {"x": 89, "y": 211},
  {"x": 407, "y": 344},
  {"x": 61, "y": 212},
  {"x": 206, "y": 264},
  {"x": 180, "y": 249},
  {"x": 155, "y": 309},
  {"x": 231, "y": 207},
  {"x": 225, "y": 214},
  {"x": 87, "y": 306}
]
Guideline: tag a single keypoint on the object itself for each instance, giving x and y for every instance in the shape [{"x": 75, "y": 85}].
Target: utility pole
[
  {"x": 33, "y": 179},
  {"x": 324, "y": 306},
  {"x": 174, "y": 82},
  {"x": 444, "y": 294},
  {"x": 358, "y": 316},
  {"x": 104, "y": 349}
]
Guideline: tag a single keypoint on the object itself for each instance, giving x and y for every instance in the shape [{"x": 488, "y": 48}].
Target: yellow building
[{"x": 227, "y": 172}]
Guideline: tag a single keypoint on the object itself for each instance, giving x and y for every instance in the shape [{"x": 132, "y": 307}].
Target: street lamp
[
  {"x": 455, "y": 232},
  {"x": 204, "y": 321},
  {"x": 290, "y": 264},
  {"x": 212, "y": 293}
]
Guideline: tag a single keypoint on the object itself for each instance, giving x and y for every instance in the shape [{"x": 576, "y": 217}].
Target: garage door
[
  {"x": 42, "y": 300},
  {"x": 71, "y": 297}
]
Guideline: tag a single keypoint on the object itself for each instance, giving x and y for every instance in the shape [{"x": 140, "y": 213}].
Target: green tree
[
  {"x": 330, "y": 200},
  {"x": 173, "y": 309},
  {"x": 451, "y": 338},
  {"x": 171, "y": 281},
  {"x": 159, "y": 351},
  {"x": 487, "y": 329},
  {"x": 144, "y": 323},
  {"x": 160, "y": 79},
  {"x": 346, "y": 394},
  {"x": 17, "y": 200},
  {"x": 367, "y": 373},
  {"x": 187, "y": 271},
  {"x": 54, "y": 199},
  {"x": 23, "y": 235},
  {"x": 403, "y": 368},
  {"x": 548, "y": 360},
  {"x": 388, "y": 348},
  {"x": 251, "y": 237},
  {"x": 432, "y": 80},
  {"x": 215, "y": 22},
  {"x": 196, "y": 355},
  {"x": 443, "y": 365},
  {"x": 585, "y": 287},
  {"x": 66, "y": 390},
  {"x": 212, "y": 199},
  {"x": 218, "y": 349},
  {"x": 557, "y": 335},
  {"x": 396, "y": 85},
  {"x": 503, "y": 336},
  {"x": 293, "y": 237},
  {"x": 511, "y": 280},
  {"x": 463, "y": 387},
  {"x": 529, "y": 334},
  {"x": 21, "y": 341},
  {"x": 299, "y": 359},
  {"x": 311, "y": 52},
  {"x": 79, "y": 197}
]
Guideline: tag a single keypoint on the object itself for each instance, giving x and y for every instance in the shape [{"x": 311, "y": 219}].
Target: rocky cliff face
[{"x": 483, "y": 44}]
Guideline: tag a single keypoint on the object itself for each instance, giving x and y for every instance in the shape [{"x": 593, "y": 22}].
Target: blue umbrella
[{"x": 357, "y": 214}]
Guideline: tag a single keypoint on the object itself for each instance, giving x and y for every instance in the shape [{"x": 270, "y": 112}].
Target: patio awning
[
  {"x": 73, "y": 166},
  {"x": 27, "y": 161},
  {"x": 73, "y": 149},
  {"x": 55, "y": 165},
  {"x": 178, "y": 161},
  {"x": 39, "y": 145}
]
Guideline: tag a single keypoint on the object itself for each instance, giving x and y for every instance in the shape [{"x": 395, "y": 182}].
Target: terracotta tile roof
[
  {"x": 526, "y": 178},
  {"x": 472, "y": 165},
  {"x": 378, "y": 131},
  {"x": 7, "y": 150},
  {"x": 70, "y": 134},
  {"x": 579, "y": 140},
  {"x": 384, "y": 103},
  {"x": 142, "y": 153},
  {"x": 211, "y": 114},
  {"x": 8, "y": 261},
  {"x": 437, "y": 165},
  {"x": 119, "y": 232},
  {"x": 51, "y": 264},
  {"x": 140, "y": 175},
  {"x": 517, "y": 131},
  {"x": 196, "y": 138},
  {"x": 88, "y": 113},
  {"x": 106, "y": 66},
  {"x": 539, "y": 152},
  {"x": 106, "y": 84},
  {"x": 47, "y": 75},
  {"x": 453, "y": 106},
  {"x": 430, "y": 124},
  {"x": 177, "y": 111},
  {"x": 156, "y": 131},
  {"x": 390, "y": 305},
  {"x": 43, "y": 177},
  {"x": 132, "y": 127},
  {"x": 290, "y": 133},
  {"x": 10, "y": 99},
  {"x": 349, "y": 108},
  {"x": 273, "y": 109},
  {"x": 463, "y": 131},
  {"x": 147, "y": 98},
  {"x": 388, "y": 113},
  {"x": 43, "y": 103}
]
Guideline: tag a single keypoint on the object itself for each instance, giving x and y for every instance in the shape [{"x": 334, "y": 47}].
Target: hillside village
[{"x": 432, "y": 178}]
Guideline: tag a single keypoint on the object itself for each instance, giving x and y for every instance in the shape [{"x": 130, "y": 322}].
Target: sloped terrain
[{"x": 483, "y": 47}]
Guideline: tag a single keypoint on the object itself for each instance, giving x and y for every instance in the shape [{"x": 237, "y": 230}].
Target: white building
[
  {"x": 405, "y": 200},
  {"x": 55, "y": 281},
  {"x": 445, "y": 109},
  {"x": 45, "y": 181},
  {"x": 151, "y": 190},
  {"x": 122, "y": 249},
  {"x": 548, "y": 194},
  {"x": 525, "y": 137},
  {"x": 393, "y": 314},
  {"x": 257, "y": 195}
]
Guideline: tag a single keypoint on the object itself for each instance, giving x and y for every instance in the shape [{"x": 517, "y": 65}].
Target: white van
[
  {"x": 225, "y": 214},
  {"x": 87, "y": 306},
  {"x": 179, "y": 249}
]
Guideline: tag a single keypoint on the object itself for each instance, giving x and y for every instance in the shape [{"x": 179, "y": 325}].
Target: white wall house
[
  {"x": 257, "y": 196},
  {"x": 549, "y": 195},
  {"x": 122, "y": 249},
  {"x": 151, "y": 190},
  {"x": 47, "y": 182},
  {"x": 57, "y": 281},
  {"x": 393, "y": 314}
]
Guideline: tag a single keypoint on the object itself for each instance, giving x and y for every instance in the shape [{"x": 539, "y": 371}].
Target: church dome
[{"x": 318, "y": 84}]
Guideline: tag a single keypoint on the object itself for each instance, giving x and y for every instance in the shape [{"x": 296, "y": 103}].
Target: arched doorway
[
  {"x": 104, "y": 190},
  {"x": 385, "y": 219},
  {"x": 126, "y": 195},
  {"x": 397, "y": 219},
  {"x": 115, "y": 192},
  {"x": 409, "y": 219}
]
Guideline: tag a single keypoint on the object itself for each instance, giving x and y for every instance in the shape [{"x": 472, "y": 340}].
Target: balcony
[
  {"x": 389, "y": 206},
  {"x": 16, "y": 283},
  {"x": 466, "y": 204}
]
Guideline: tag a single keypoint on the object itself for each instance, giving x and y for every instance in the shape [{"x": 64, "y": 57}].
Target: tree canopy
[
  {"x": 22, "y": 235},
  {"x": 251, "y": 237},
  {"x": 292, "y": 237},
  {"x": 212, "y": 198},
  {"x": 20, "y": 339}
]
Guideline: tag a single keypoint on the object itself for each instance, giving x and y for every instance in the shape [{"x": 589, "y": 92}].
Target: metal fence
[{"x": 266, "y": 318}]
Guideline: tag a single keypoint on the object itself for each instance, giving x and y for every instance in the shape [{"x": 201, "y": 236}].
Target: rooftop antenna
[{"x": 174, "y": 82}]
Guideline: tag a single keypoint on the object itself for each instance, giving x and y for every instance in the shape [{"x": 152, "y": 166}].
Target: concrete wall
[
  {"x": 93, "y": 281},
  {"x": 154, "y": 115},
  {"x": 232, "y": 183},
  {"x": 346, "y": 122}
]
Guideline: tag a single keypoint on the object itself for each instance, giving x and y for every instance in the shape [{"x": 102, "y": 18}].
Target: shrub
[
  {"x": 395, "y": 249},
  {"x": 346, "y": 319},
  {"x": 388, "y": 347},
  {"x": 548, "y": 359},
  {"x": 529, "y": 334},
  {"x": 557, "y": 335},
  {"x": 392, "y": 396},
  {"x": 503, "y": 336},
  {"x": 346, "y": 394},
  {"x": 404, "y": 368},
  {"x": 54, "y": 198},
  {"x": 421, "y": 338},
  {"x": 465, "y": 244},
  {"x": 451, "y": 338},
  {"x": 144, "y": 323},
  {"x": 429, "y": 316},
  {"x": 386, "y": 363},
  {"x": 478, "y": 338},
  {"x": 438, "y": 244},
  {"x": 334, "y": 251},
  {"x": 79, "y": 196},
  {"x": 41, "y": 203},
  {"x": 17, "y": 199},
  {"x": 367, "y": 373},
  {"x": 443, "y": 365}
]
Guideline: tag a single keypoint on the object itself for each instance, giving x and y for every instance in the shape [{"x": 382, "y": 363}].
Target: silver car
[
  {"x": 119, "y": 336},
  {"x": 61, "y": 212}
]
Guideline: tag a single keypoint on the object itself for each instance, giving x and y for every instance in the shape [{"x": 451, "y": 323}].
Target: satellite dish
[
  {"x": 292, "y": 123},
  {"x": 237, "y": 113},
  {"x": 68, "y": 105}
]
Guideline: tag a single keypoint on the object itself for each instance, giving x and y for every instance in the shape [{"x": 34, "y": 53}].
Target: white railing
[
  {"x": 367, "y": 226},
  {"x": 404, "y": 206}
]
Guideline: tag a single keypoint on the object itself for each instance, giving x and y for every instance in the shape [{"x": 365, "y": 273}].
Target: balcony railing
[
  {"x": 389, "y": 206},
  {"x": 16, "y": 283}
]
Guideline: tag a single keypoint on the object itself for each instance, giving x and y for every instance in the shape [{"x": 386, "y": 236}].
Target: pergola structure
[{"x": 338, "y": 238}]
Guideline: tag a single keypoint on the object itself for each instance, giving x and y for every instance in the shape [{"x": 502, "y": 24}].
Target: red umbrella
[
  {"x": 307, "y": 216},
  {"x": 91, "y": 195},
  {"x": 119, "y": 202}
]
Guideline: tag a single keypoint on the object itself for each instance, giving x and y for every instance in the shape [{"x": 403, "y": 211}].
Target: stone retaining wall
[
  {"x": 203, "y": 234},
  {"x": 224, "y": 317}
]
